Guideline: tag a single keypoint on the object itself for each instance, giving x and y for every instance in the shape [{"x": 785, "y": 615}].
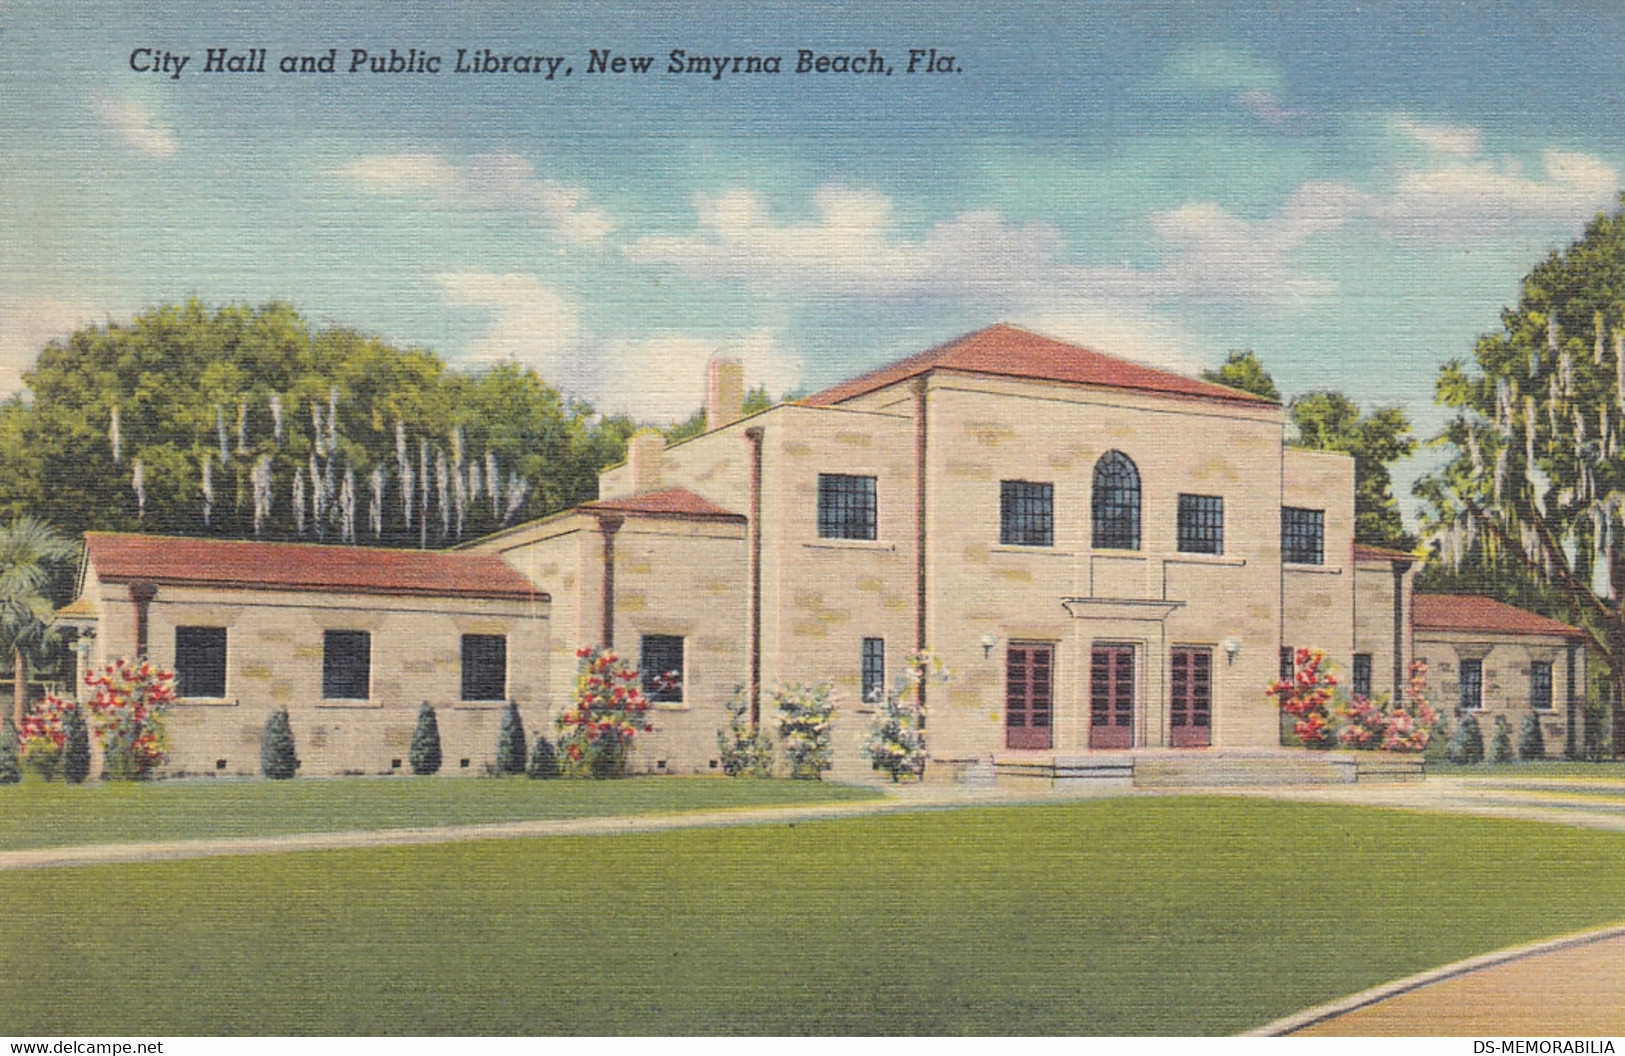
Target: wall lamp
[
  {"x": 1231, "y": 647},
  {"x": 988, "y": 642}
]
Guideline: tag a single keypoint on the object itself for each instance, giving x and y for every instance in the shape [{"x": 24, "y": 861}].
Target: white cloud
[
  {"x": 662, "y": 379},
  {"x": 531, "y": 324},
  {"x": 490, "y": 181},
  {"x": 25, "y": 328},
  {"x": 1473, "y": 197},
  {"x": 136, "y": 126},
  {"x": 1446, "y": 139}
]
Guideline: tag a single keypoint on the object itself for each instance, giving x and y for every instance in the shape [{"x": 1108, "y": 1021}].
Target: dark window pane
[
  {"x": 1287, "y": 670},
  {"x": 1362, "y": 674},
  {"x": 346, "y": 665},
  {"x": 846, "y": 507},
  {"x": 1472, "y": 684},
  {"x": 1026, "y": 513},
  {"x": 1201, "y": 524},
  {"x": 1303, "y": 536},
  {"x": 200, "y": 661},
  {"x": 660, "y": 663},
  {"x": 1540, "y": 685},
  {"x": 1115, "y": 504},
  {"x": 874, "y": 670},
  {"x": 485, "y": 667}
]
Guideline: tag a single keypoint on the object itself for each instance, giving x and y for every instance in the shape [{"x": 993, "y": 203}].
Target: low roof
[
  {"x": 161, "y": 559},
  {"x": 668, "y": 502},
  {"x": 1475, "y": 613},
  {"x": 1366, "y": 552},
  {"x": 1009, "y": 351}
]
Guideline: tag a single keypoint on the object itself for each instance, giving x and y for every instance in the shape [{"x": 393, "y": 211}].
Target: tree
[
  {"x": 1467, "y": 743},
  {"x": 1242, "y": 370},
  {"x": 277, "y": 757},
  {"x": 1531, "y": 741},
  {"x": 76, "y": 747},
  {"x": 1501, "y": 742},
  {"x": 1534, "y": 491},
  {"x": 511, "y": 741},
  {"x": 424, "y": 755},
  {"x": 544, "y": 760},
  {"x": 11, "y": 770},
  {"x": 1330, "y": 421},
  {"x": 30, "y": 553}
]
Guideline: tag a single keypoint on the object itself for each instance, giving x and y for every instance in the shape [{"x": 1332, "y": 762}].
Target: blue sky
[{"x": 1353, "y": 191}]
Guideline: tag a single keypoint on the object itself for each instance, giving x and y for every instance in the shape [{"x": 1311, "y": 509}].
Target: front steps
[{"x": 1167, "y": 768}]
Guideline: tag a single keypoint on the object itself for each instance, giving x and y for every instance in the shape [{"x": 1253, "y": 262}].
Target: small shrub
[
  {"x": 127, "y": 706},
  {"x": 744, "y": 752},
  {"x": 897, "y": 739},
  {"x": 1531, "y": 741},
  {"x": 75, "y": 747},
  {"x": 544, "y": 760},
  {"x": 11, "y": 764},
  {"x": 1501, "y": 741},
  {"x": 608, "y": 711},
  {"x": 43, "y": 737},
  {"x": 1466, "y": 746},
  {"x": 1438, "y": 749},
  {"x": 511, "y": 741},
  {"x": 278, "y": 759},
  {"x": 424, "y": 755},
  {"x": 806, "y": 715}
]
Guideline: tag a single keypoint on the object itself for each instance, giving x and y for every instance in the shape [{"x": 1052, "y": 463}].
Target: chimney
[
  {"x": 724, "y": 392},
  {"x": 646, "y": 457}
]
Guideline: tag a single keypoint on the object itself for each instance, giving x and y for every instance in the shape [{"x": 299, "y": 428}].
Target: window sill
[
  {"x": 205, "y": 702},
  {"x": 1207, "y": 559},
  {"x": 1313, "y": 570},
  {"x": 669, "y": 705},
  {"x": 351, "y": 705},
  {"x": 479, "y": 705},
  {"x": 850, "y": 544},
  {"x": 1041, "y": 551}
]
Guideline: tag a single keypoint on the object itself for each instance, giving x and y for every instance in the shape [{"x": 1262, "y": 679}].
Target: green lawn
[
  {"x": 1552, "y": 769},
  {"x": 55, "y": 815},
  {"x": 1119, "y": 916}
]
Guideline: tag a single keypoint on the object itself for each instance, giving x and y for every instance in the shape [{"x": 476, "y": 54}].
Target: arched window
[{"x": 1116, "y": 504}]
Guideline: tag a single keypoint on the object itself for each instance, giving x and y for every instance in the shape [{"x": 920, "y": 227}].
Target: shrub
[
  {"x": 1325, "y": 717},
  {"x": 1501, "y": 741},
  {"x": 744, "y": 752},
  {"x": 11, "y": 768},
  {"x": 1531, "y": 741},
  {"x": 1438, "y": 747},
  {"x": 1308, "y": 696},
  {"x": 897, "y": 739},
  {"x": 75, "y": 747},
  {"x": 127, "y": 706},
  {"x": 544, "y": 760},
  {"x": 277, "y": 757},
  {"x": 424, "y": 756},
  {"x": 511, "y": 741},
  {"x": 1466, "y": 746},
  {"x": 806, "y": 714},
  {"x": 609, "y": 710},
  {"x": 43, "y": 737}
]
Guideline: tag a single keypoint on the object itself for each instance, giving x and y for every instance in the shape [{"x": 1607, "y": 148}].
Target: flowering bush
[
  {"x": 744, "y": 752},
  {"x": 1308, "y": 696},
  {"x": 596, "y": 732},
  {"x": 897, "y": 740},
  {"x": 1326, "y": 718},
  {"x": 806, "y": 714},
  {"x": 44, "y": 736},
  {"x": 127, "y": 702}
]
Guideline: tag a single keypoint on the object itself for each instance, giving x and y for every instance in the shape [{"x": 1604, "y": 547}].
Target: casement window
[
  {"x": 1028, "y": 693},
  {"x": 200, "y": 662},
  {"x": 847, "y": 507},
  {"x": 873, "y": 670},
  {"x": 346, "y": 665},
  {"x": 1190, "y": 698},
  {"x": 1362, "y": 675},
  {"x": 1303, "y": 536},
  {"x": 485, "y": 667},
  {"x": 660, "y": 666},
  {"x": 1540, "y": 685},
  {"x": 1287, "y": 669},
  {"x": 1201, "y": 524},
  {"x": 1026, "y": 513},
  {"x": 1115, "y": 503},
  {"x": 1471, "y": 677}
]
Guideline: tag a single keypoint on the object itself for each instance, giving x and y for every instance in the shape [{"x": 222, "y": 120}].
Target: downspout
[
  {"x": 753, "y": 588},
  {"x": 141, "y": 594},
  {"x": 1400, "y": 568},
  {"x": 920, "y": 433},
  {"x": 1571, "y": 746},
  {"x": 609, "y": 525}
]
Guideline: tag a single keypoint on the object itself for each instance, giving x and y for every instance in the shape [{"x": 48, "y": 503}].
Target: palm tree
[{"x": 30, "y": 551}]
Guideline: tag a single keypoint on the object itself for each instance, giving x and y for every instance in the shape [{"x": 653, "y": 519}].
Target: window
[
  {"x": 485, "y": 667},
  {"x": 874, "y": 670},
  {"x": 1287, "y": 670},
  {"x": 1027, "y": 682},
  {"x": 1026, "y": 513},
  {"x": 1362, "y": 674},
  {"x": 1540, "y": 685},
  {"x": 1303, "y": 536},
  {"x": 1201, "y": 524},
  {"x": 346, "y": 665},
  {"x": 846, "y": 507},
  {"x": 200, "y": 662},
  {"x": 1115, "y": 505},
  {"x": 1472, "y": 685},
  {"x": 660, "y": 662}
]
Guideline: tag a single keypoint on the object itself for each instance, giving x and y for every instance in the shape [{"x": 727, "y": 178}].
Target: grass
[
  {"x": 1604, "y": 772},
  {"x": 36, "y": 814},
  {"x": 1121, "y": 916}
]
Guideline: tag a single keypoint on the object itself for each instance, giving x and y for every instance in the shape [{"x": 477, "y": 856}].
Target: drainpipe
[
  {"x": 609, "y": 525},
  {"x": 753, "y": 588},
  {"x": 920, "y": 386},
  {"x": 1571, "y": 746},
  {"x": 1400, "y": 568},
  {"x": 141, "y": 594}
]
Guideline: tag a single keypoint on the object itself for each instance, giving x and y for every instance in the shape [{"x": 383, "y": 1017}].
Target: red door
[
  {"x": 1190, "y": 699},
  {"x": 1028, "y": 677},
  {"x": 1111, "y": 697}
]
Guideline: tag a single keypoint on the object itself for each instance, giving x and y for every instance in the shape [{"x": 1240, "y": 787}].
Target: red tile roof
[
  {"x": 671, "y": 502},
  {"x": 1362, "y": 552},
  {"x": 1008, "y": 351},
  {"x": 161, "y": 559},
  {"x": 1473, "y": 613}
]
